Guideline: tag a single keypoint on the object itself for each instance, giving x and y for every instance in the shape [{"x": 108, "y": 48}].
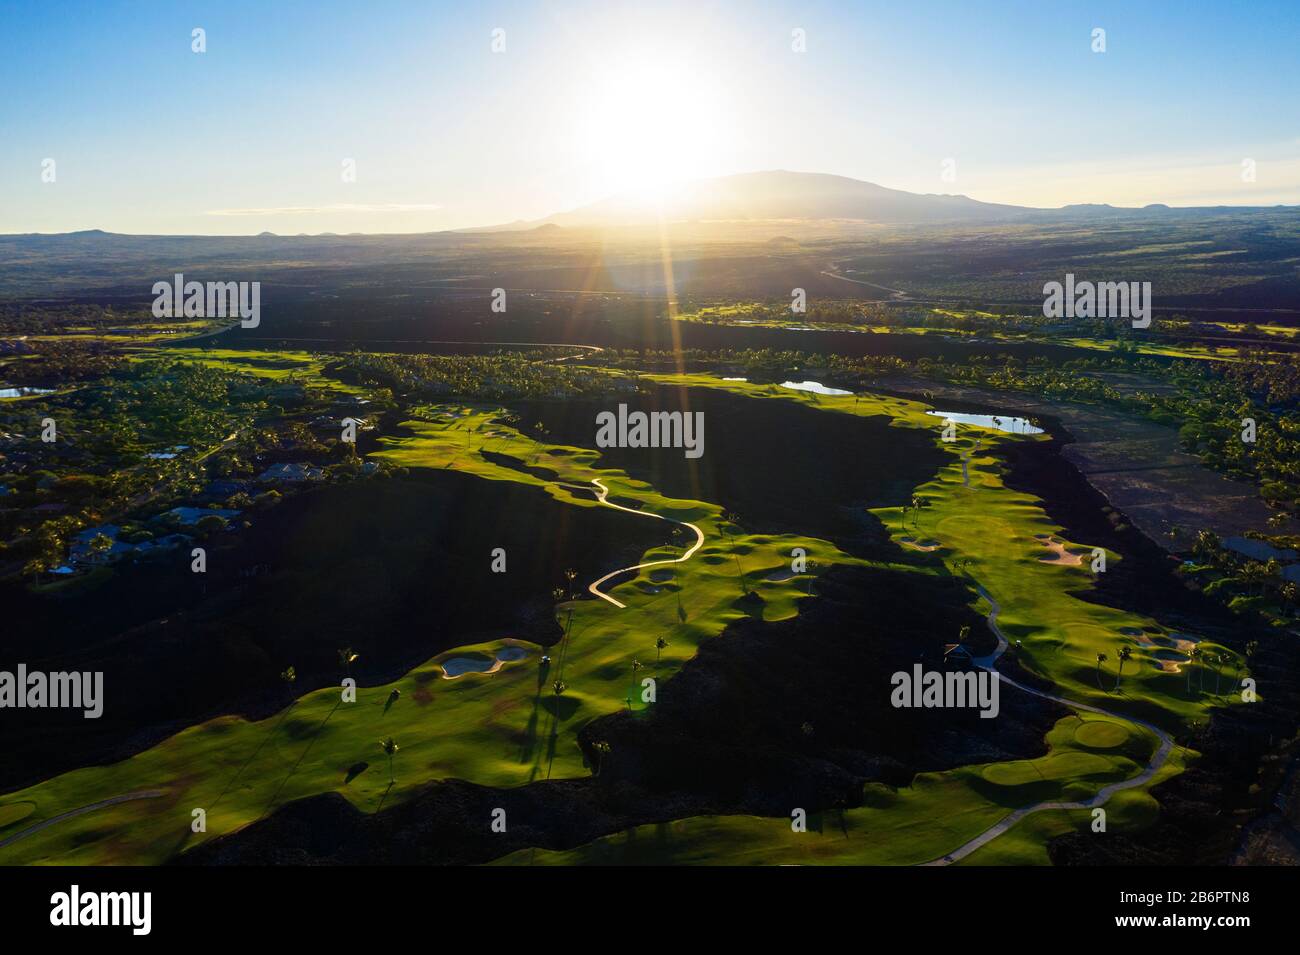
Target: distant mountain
[
  {"x": 804, "y": 196},
  {"x": 781, "y": 195}
]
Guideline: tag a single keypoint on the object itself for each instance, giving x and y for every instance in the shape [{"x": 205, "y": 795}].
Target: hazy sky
[{"x": 589, "y": 99}]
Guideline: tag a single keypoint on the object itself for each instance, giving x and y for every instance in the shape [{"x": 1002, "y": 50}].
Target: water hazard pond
[
  {"x": 816, "y": 387},
  {"x": 997, "y": 422},
  {"x": 7, "y": 392},
  {"x": 458, "y": 666}
]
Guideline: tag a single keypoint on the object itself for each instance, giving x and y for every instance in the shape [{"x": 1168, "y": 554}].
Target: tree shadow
[
  {"x": 257, "y": 752},
  {"x": 315, "y": 736}
]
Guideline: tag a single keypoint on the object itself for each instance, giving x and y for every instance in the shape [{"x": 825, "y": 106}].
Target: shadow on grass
[
  {"x": 315, "y": 736},
  {"x": 248, "y": 762}
]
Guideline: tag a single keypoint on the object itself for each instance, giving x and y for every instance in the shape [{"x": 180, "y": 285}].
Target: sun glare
[{"x": 649, "y": 122}]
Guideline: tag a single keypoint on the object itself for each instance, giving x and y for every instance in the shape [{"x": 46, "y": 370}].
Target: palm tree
[
  {"x": 1124, "y": 654},
  {"x": 289, "y": 675},
  {"x": 1192, "y": 654},
  {"x": 636, "y": 665},
  {"x": 347, "y": 657},
  {"x": 917, "y": 504},
  {"x": 559, "y": 686},
  {"x": 812, "y": 569},
  {"x": 740, "y": 572},
  {"x": 659, "y": 648},
  {"x": 1101, "y": 658},
  {"x": 389, "y": 748},
  {"x": 1253, "y": 575},
  {"x": 1289, "y": 592},
  {"x": 1208, "y": 547},
  {"x": 601, "y": 749},
  {"x": 1220, "y": 661},
  {"x": 558, "y": 596}
]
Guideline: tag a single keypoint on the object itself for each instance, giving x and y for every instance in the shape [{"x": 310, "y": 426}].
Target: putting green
[{"x": 1100, "y": 734}]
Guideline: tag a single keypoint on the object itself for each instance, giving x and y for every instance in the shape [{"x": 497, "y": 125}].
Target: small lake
[
  {"x": 816, "y": 387},
  {"x": 997, "y": 422},
  {"x": 456, "y": 666},
  {"x": 24, "y": 392}
]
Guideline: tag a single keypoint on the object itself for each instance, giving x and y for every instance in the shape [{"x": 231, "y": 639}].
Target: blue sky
[{"x": 589, "y": 99}]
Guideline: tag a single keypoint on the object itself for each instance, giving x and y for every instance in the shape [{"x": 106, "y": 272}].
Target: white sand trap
[
  {"x": 1059, "y": 554},
  {"x": 925, "y": 545},
  {"x": 1170, "y": 661},
  {"x": 781, "y": 574}
]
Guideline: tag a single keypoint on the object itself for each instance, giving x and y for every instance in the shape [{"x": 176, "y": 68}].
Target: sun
[{"x": 647, "y": 122}]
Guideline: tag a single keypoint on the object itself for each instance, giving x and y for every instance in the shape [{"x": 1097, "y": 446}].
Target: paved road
[
  {"x": 991, "y": 833},
  {"x": 602, "y": 494},
  {"x": 111, "y": 801}
]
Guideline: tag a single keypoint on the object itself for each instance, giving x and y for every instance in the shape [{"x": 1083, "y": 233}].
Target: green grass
[
  {"x": 1060, "y": 635},
  {"x": 508, "y": 728},
  {"x": 306, "y": 368},
  {"x": 907, "y": 826},
  {"x": 12, "y": 812},
  {"x": 501, "y": 729}
]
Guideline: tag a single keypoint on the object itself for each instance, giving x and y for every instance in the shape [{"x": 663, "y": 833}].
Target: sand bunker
[
  {"x": 1170, "y": 661},
  {"x": 781, "y": 574},
  {"x": 1183, "y": 642},
  {"x": 912, "y": 542},
  {"x": 1059, "y": 554}
]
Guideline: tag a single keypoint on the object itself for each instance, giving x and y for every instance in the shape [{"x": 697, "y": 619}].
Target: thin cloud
[{"x": 335, "y": 208}]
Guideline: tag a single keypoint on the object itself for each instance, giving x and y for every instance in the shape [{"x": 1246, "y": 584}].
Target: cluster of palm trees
[
  {"x": 1256, "y": 578},
  {"x": 916, "y": 505},
  {"x": 1216, "y": 661},
  {"x": 1125, "y": 653}
]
